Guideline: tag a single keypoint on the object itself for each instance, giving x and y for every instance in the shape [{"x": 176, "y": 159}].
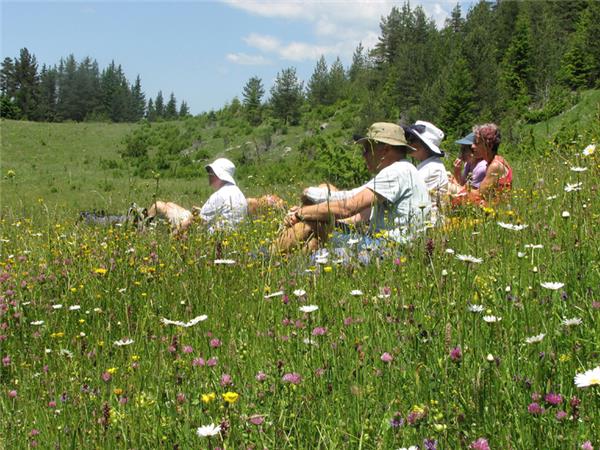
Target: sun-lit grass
[{"x": 88, "y": 362}]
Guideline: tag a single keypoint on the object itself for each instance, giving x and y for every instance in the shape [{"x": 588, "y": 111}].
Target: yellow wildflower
[
  {"x": 117, "y": 391},
  {"x": 231, "y": 397},
  {"x": 112, "y": 370},
  {"x": 100, "y": 270},
  {"x": 207, "y": 398},
  {"x": 327, "y": 269}
]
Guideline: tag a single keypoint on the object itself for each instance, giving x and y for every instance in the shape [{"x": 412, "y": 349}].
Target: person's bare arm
[{"x": 339, "y": 209}]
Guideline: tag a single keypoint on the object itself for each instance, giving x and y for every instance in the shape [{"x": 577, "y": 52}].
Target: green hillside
[{"x": 76, "y": 166}]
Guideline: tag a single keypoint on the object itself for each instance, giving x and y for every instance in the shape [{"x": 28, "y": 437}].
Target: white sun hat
[
  {"x": 223, "y": 169},
  {"x": 429, "y": 134}
]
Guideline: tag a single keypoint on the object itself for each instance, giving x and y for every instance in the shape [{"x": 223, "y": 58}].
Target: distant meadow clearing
[{"x": 471, "y": 337}]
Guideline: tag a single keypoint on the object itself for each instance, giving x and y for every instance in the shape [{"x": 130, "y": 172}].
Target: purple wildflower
[
  {"x": 456, "y": 354},
  {"x": 561, "y": 415},
  {"x": 387, "y": 358},
  {"x": 587, "y": 445},
  {"x": 430, "y": 444},
  {"x": 319, "y": 331},
  {"x": 261, "y": 376},
  {"x": 553, "y": 399},
  {"x": 293, "y": 378},
  {"x": 480, "y": 444},
  {"x": 535, "y": 409}
]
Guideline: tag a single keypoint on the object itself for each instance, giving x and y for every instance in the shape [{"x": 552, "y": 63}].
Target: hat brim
[
  {"x": 220, "y": 174},
  {"x": 430, "y": 145},
  {"x": 392, "y": 142},
  {"x": 469, "y": 139}
]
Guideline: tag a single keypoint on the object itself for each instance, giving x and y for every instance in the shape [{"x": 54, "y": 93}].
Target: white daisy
[
  {"x": 299, "y": 292},
  {"x": 227, "y": 262},
  {"x": 208, "y": 430},
  {"x": 476, "y": 308},
  {"x": 123, "y": 342},
  {"x": 178, "y": 323},
  {"x": 510, "y": 226},
  {"x": 492, "y": 319},
  {"x": 534, "y": 246},
  {"x": 275, "y": 294},
  {"x": 535, "y": 339},
  {"x": 356, "y": 292},
  {"x": 520, "y": 254},
  {"x": 57, "y": 306},
  {"x": 552, "y": 197},
  {"x": 566, "y": 214},
  {"x": 308, "y": 308},
  {"x": 589, "y": 150},
  {"x": 309, "y": 341},
  {"x": 579, "y": 169},
  {"x": 74, "y": 308},
  {"x": 353, "y": 241},
  {"x": 588, "y": 378},
  {"x": 67, "y": 353},
  {"x": 573, "y": 187},
  {"x": 572, "y": 322},
  {"x": 552, "y": 285},
  {"x": 37, "y": 322},
  {"x": 450, "y": 251},
  {"x": 469, "y": 259}
]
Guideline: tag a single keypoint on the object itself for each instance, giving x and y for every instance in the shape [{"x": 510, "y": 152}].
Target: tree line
[
  {"x": 502, "y": 60},
  {"x": 77, "y": 90}
]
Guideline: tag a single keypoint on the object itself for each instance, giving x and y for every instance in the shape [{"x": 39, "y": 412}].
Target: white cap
[{"x": 223, "y": 169}]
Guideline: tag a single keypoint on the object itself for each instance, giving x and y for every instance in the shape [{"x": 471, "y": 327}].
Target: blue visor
[{"x": 467, "y": 140}]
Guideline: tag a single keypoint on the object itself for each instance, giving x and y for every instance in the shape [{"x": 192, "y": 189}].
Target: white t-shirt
[
  {"x": 407, "y": 204},
  {"x": 434, "y": 175},
  {"x": 226, "y": 207}
]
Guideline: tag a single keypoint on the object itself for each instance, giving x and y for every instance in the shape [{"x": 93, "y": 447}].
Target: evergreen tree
[
  {"x": 26, "y": 84},
  {"x": 47, "y": 105},
  {"x": 517, "y": 70},
  {"x": 67, "y": 93},
  {"x": 455, "y": 22},
  {"x": 151, "y": 111},
  {"x": 337, "y": 82},
  {"x": 171, "y": 108},
  {"x": 359, "y": 63},
  {"x": 253, "y": 92},
  {"x": 318, "y": 85},
  {"x": 7, "y": 78},
  {"x": 184, "y": 110},
  {"x": 286, "y": 96},
  {"x": 458, "y": 105},
  {"x": 139, "y": 100},
  {"x": 159, "y": 106}
]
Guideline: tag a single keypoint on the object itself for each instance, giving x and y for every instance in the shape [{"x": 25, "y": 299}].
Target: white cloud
[
  {"x": 337, "y": 25},
  {"x": 247, "y": 60}
]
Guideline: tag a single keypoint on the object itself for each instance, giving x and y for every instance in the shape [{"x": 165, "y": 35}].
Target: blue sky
[{"x": 203, "y": 51}]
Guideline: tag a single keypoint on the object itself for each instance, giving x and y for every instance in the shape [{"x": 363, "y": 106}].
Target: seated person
[
  {"x": 498, "y": 174},
  {"x": 225, "y": 208},
  {"x": 394, "y": 200},
  {"x": 426, "y": 138},
  {"x": 468, "y": 172}
]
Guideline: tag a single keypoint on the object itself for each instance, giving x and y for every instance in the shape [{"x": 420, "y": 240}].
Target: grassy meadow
[{"x": 470, "y": 337}]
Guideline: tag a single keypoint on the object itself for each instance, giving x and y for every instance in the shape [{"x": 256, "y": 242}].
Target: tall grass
[{"x": 392, "y": 357}]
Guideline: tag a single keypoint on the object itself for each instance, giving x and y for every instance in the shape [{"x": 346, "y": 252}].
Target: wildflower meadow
[{"x": 482, "y": 333}]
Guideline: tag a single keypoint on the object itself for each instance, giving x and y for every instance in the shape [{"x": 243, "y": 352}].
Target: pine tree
[
  {"x": 458, "y": 105},
  {"x": 184, "y": 110},
  {"x": 7, "y": 78},
  {"x": 318, "y": 85},
  {"x": 138, "y": 100},
  {"x": 517, "y": 70},
  {"x": 337, "y": 82},
  {"x": 151, "y": 111},
  {"x": 159, "y": 106},
  {"x": 48, "y": 94},
  {"x": 253, "y": 93},
  {"x": 359, "y": 63},
  {"x": 171, "y": 108},
  {"x": 26, "y": 84},
  {"x": 286, "y": 96}
]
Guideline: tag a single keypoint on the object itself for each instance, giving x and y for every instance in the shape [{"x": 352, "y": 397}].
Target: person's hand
[
  {"x": 457, "y": 163},
  {"x": 291, "y": 217}
]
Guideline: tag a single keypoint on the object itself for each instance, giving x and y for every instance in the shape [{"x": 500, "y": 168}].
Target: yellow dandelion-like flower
[
  {"x": 117, "y": 391},
  {"x": 231, "y": 397},
  {"x": 207, "y": 398},
  {"x": 100, "y": 271},
  {"x": 327, "y": 269},
  {"x": 112, "y": 370}
]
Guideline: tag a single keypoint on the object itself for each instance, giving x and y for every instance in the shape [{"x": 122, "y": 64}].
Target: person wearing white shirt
[
  {"x": 426, "y": 139},
  {"x": 395, "y": 200},
  {"x": 224, "y": 209}
]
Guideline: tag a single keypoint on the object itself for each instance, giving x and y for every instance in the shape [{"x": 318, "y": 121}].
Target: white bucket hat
[
  {"x": 429, "y": 134},
  {"x": 223, "y": 169}
]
